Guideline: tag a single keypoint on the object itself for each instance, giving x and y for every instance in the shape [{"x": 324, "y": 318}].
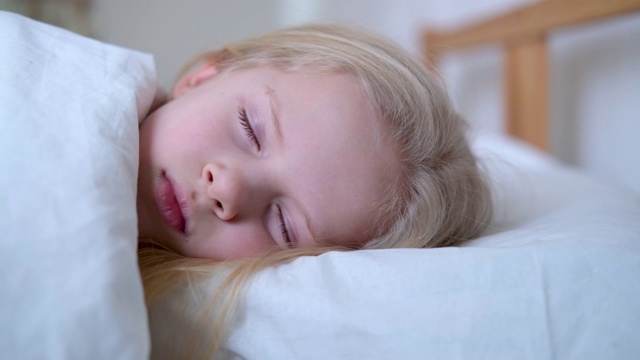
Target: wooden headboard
[{"x": 522, "y": 33}]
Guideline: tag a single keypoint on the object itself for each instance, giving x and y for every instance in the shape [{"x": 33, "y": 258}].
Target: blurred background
[{"x": 595, "y": 68}]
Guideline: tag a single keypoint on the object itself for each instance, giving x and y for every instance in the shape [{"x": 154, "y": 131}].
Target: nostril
[
  {"x": 219, "y": 205},
  {"x": 210, "y": 176}
]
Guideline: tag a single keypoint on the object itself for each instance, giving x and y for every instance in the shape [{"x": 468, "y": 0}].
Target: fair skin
[{"x": 243, "y": 162}]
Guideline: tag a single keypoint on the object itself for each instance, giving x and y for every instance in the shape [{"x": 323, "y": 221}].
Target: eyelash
[
  {"x": 248, "y": 129},
  {"x": 283, "y": 228}
]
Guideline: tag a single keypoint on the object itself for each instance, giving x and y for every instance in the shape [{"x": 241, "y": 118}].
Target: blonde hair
[{"x": 439, "y": 198}]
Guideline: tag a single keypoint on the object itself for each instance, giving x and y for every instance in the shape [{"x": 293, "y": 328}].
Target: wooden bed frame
[{"x": 522, "y": 33}]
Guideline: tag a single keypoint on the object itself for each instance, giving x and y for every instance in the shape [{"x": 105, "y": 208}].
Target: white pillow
[
  {"x": 69, "y": 111},
  {"x": 555, "y": 276}
]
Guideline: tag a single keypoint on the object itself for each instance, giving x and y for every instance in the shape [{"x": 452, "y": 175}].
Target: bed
[{"x": 555, "y": 275}]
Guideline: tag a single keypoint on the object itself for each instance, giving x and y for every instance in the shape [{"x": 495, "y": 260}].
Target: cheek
[
  {"x": 228, "y": 241},
  {"x": 171, "y": 122}
]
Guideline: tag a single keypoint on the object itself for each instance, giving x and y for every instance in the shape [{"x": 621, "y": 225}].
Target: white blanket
[{"x": 69, "y": 110}]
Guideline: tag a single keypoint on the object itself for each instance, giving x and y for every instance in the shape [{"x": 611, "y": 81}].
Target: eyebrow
[{"x": 274, "y": 104}]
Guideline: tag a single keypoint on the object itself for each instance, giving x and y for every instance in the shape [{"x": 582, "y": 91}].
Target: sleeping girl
[{"x": 298, "y": 142}]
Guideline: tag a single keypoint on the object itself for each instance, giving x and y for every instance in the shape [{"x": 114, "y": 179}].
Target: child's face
[{"x": 256, "y": 159}]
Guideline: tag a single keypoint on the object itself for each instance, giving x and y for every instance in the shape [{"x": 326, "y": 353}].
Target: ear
[{"x": 193, "y": 79}]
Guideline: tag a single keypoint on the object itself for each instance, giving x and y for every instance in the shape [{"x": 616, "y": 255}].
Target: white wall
[
  {"x": 596, "y": 98},
  {"x": 595, "y": 72},
  {"x": 175, "y": 31}
]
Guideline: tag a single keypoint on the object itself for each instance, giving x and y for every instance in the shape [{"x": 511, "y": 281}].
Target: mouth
[{"x": 172, "y": 203}]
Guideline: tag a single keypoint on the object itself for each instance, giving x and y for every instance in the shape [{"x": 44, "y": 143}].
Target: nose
[{"x": 226, "y": 188}]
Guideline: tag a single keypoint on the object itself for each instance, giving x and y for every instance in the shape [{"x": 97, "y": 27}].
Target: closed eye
[
  {"x": 248, "y": 129},
  {"x": 283, "y": 228}
]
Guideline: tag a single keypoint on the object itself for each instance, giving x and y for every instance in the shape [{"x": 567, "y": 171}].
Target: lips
[{"x": 171, "y": 203}]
